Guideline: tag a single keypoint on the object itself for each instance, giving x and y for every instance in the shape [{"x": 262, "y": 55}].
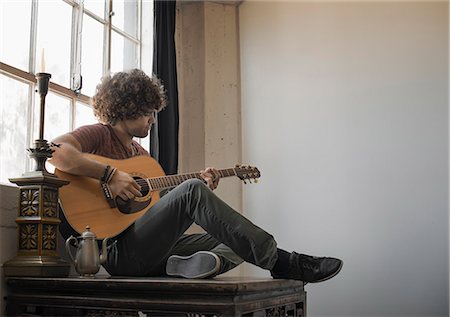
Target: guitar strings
[{"x": 174, "y": 180}]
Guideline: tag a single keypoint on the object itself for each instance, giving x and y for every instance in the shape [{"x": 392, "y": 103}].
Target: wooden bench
[{"x": 106, "y": 296}]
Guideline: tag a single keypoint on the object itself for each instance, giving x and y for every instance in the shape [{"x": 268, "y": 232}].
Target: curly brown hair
[{"x": 127, "y": 95}]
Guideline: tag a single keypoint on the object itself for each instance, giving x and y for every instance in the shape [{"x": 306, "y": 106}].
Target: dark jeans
[{"x": 143, "y": 248}]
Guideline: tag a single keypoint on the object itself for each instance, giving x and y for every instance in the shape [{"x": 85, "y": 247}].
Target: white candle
[{"x": 42, "y": 62}]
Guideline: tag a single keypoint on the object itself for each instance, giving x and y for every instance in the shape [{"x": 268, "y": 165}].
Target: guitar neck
[{"x": 170, "y": 181}]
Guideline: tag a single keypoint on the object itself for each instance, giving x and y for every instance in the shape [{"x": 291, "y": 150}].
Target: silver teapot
[{"x": 87, "y": 259}]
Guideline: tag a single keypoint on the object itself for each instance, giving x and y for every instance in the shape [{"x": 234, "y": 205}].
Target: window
[{"x": 77, "y": 42}]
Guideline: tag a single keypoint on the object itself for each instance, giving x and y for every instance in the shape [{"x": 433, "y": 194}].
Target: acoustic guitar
[{"x": 84, "y": 203}]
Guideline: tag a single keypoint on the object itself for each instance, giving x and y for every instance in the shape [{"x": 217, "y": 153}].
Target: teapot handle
[
  {"x": 71, "y": 238},
  {"x": 104, "y": 254}
]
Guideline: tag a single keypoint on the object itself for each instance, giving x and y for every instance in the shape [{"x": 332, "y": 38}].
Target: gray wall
[
  {"x": 345, "y": 111},
  {"x": 8, "y": 233}
]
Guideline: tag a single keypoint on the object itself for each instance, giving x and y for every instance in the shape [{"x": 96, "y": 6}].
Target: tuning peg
[{"x": 244, "y": 181}]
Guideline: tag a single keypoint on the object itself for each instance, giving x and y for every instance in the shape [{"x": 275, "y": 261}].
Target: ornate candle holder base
[{"x": 38, "y": 221}]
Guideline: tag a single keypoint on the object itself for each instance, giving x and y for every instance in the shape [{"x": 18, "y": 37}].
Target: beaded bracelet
[{"x": 110, "y": 175}]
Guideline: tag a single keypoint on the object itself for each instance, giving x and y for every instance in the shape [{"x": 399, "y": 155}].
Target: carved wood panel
[
  {"x": 29, "y": 202},
  {"x": 28, "y": 236}
]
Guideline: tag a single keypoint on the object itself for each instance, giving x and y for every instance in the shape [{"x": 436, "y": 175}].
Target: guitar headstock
[{"x": 247, "y": 172}]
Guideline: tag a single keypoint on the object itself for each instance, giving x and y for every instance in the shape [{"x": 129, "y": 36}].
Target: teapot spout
[{"x": 104, "y": 254}]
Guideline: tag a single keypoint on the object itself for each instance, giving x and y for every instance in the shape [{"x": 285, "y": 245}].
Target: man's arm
[{"x": 68, "y": 158}]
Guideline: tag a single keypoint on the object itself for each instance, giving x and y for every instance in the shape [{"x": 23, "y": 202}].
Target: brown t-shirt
[{"x": 100, "y": 139}]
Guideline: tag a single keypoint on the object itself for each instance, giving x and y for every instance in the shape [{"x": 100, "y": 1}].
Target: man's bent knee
[{"x": 194, "y": 184}]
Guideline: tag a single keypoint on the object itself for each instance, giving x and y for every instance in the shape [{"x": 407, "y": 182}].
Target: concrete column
[
  {"x": 222, "y": 95},
  {"x": 190, "y": 45},
  {"x": 209, "y": 93}
]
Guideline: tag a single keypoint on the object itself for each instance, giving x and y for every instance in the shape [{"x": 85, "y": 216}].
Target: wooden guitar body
[{"x": 84, "y": 203}]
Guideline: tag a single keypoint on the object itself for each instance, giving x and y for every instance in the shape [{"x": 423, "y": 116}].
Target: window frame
[{"x": 143, "y": 42}]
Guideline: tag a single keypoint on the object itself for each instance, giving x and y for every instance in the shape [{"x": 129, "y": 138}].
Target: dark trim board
[{"x": 106, "y": 296}]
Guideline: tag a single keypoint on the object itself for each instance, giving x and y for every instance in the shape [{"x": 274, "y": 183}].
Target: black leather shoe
[
  {"x": 310, "y": 269},
  {"x": 202, "y": 264}
]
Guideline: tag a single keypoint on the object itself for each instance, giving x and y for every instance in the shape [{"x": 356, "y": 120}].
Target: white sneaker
[{"x": 201, "y": 264}]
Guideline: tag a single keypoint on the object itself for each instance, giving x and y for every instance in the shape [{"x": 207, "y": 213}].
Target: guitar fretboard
[{"x": 165, "y": 182}]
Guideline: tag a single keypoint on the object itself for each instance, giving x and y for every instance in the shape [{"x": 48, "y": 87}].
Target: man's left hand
[{"x": 211, "y": 177}]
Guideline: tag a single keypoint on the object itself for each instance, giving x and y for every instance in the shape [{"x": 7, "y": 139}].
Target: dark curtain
[{"x": 164, "y": 134}]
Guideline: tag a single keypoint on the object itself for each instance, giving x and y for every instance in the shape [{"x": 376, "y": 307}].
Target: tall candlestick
[
  {"x": 42, "y": 62},
  {"x": 42, "y": 88},
  {"x": 37, "y": 227}
]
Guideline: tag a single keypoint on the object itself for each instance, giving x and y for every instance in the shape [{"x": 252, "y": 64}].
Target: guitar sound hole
[{"x": 143, "y": 184}]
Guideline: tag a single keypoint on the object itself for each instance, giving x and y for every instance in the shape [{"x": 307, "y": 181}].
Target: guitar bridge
[{"x": 108, "y": 195}]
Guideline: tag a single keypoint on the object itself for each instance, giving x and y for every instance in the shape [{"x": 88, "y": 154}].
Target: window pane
[
  {"x": 84, "y": 115},
  {"x": 123, "y": 53},
  {"x": 57, "y": 116},
  {"x": 15, "y": 33},
  {"x": 126, "y": 16},
  {"x": 145, "y": 142},
  {"x": 57, "y": 119},
  {"x": 13, "y": 128},
  {"x": 96, "y": 6},
  {"x": 91, "y": 54},
  {"x": 54, "y": 36}
]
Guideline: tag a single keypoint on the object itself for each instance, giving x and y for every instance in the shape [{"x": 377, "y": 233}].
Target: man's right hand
[{"x": 124, "y": 186}]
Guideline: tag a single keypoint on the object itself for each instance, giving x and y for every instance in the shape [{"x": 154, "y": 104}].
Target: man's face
[{"x": 139, "y": 127}]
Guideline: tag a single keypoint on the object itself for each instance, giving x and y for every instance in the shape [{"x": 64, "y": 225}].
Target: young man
[{"x": 155, "y": 244}]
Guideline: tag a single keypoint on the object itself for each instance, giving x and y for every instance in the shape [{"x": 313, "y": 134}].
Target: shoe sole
[
  {"x": 201, "y": 264},
  {"x": 329, "y": 276}
]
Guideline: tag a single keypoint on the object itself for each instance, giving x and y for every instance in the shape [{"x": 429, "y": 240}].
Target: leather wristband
[{"x": 105, "y": 174}]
